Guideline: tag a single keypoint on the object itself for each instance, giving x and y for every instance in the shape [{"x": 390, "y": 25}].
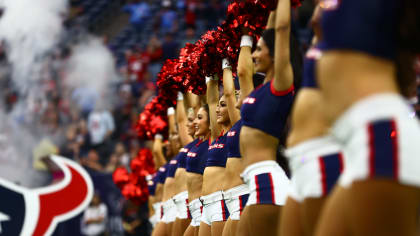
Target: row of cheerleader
[{"x": 324, "y": 144}]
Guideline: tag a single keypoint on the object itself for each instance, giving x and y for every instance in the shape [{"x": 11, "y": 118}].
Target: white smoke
[
  {"x": 91, "y": 67},
  {"x": 30, "y": 30}
]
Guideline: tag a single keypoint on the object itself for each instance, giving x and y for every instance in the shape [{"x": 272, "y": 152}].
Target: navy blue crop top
[
  {"x": 173, "y": 165},
  {"x": 309, "y": 68},
  {"x": 151, "y": 185},
  {"x": 267, "y": 109},
  {"x": 161, "y": 174},
  {"x": 368, "y": 26},
  {"x": 217, "y": 152},
  {"x": 232, "y": 140},
  {"x": 197, "y": 157},
  {"x": 182, "y": 155}
]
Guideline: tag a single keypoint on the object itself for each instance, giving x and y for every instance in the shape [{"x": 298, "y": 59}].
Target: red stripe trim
[
  {"x": 323, "y": 175},
  {"x": 188, "y": 209},
  {"x": 161, "y": 212},
  {"x": 240, "y": 205},
  {"x": 272, "y": 188},
  {"x": 371, "y": 137},
  {"x": 341, "y": 159},
  {"x": 257, "y": 189},
  {"x": 281, "y": 93},
  {"x": 394, "y": 138},
  {"x": 223, "y": 210}
]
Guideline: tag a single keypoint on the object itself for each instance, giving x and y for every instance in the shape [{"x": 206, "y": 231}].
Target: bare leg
[
  {"x": 371, "y": 207},
  {"x": 259, "y": 220},
  {"x": 159, "y": 230},
  {"x": 205, "y": 229},
  {"x": 189, "y": 231},
  {"x": 227, "y": 228},
  {"x": 291, "y": 219},
  {"x": 169, "y": 228},
  {"x": 311, "y": 210},
  {"x": 179, "y": 227},
  {"x": 217, "y": 228}
]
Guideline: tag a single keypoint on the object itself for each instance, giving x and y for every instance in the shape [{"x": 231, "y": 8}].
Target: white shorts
[
  {"x": 381, "y": 140},
  {"x": 169, "y": 211},
  {"x": 267, "y": 183},
  {"x": 196, "y": 208},
  {"x": 155, "y": 218},
  {"x": 236, "y": 199},
  {"x": 316, "y": 166},
  {"x": 181, "y": 202},
  {"x": 214, "y": 208}
]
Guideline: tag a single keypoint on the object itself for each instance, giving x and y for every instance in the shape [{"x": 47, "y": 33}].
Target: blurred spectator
[
  {"x": 71, "y": 147},
  {"x": 94, "y": 218},
  {"x": 137, "y": 63},
  {"x": 85, "y": 98},
  {"x": 135, "y": 220},
  {"x": 121, "y": 154},
  {"x": 139, "y": 11},
  {"x": 169, "y": 47},
  {"x": 112, "y": 164},
  {"x": 92, "y": 161},
  {"x": 189, "y": 37},
  {"x": 100, "y": 126},
  {"x": 154, "y": 48},
  {"x": 168, "y": 17},
  {"x": 190, "y": 13}
]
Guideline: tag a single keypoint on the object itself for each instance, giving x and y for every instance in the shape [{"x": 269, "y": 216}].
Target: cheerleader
[
  {"x": 235, "y": 192},
  {"x": 154, "y": 205},
  {"x": 186, "y": 133},
  {"x": 170, "y": 190},
  {"x": 264, "y": 113},
  {"x": 159, "y": 229},
  {"x": 215, "y": 212},
  {"x": 196, "y": 162},
  {"x": 315, "y": 158},
  {"x": 359, "y": 74}
]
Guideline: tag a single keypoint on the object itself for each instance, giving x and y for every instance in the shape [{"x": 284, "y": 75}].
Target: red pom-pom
[{"x": 121, "y": 177}]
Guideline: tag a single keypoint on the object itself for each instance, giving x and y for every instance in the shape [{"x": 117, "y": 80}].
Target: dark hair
[
  {"x": 206, "y": 107},
  {"x": 269, "y": 36},
  {"x": 257, "y": 79},
  {"x": 408, "y": 45},
  {"x": 296, "y": 58}
]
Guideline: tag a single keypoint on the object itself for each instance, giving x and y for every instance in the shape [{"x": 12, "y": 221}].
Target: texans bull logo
[{"x": 38, "y": 211}]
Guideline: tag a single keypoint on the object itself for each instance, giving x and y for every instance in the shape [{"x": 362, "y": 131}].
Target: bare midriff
[
  {"x": 194, "y": 185},
  {"x": 257, "y": 146},
  {"x": 168, "y": 188},
  {"x": 213, "y": 179},
  {"x": 158, "y": 192},
  {"x": 233, "y": 171},
  {"x": 180, "y": 180},
  {"x": 308, "y": 117},
  {"x": 346, "y": 77}
]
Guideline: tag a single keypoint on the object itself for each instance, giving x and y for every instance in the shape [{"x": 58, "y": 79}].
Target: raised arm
[
  {"x": 171, "y": 120},
  {"x": 283, "y": 72},
  {"x": 193, "y": 101},
  {"x": 229, "y": 92},
  {"x": 181, "y": 119},
  {"x": 212, "y": 101},
  {"x": 245, "y": 67},
  {"x": 157, "y": 151}
]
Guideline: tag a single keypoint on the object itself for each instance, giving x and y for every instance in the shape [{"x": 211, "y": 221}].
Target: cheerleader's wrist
[{"x": 246, "y": 41}]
